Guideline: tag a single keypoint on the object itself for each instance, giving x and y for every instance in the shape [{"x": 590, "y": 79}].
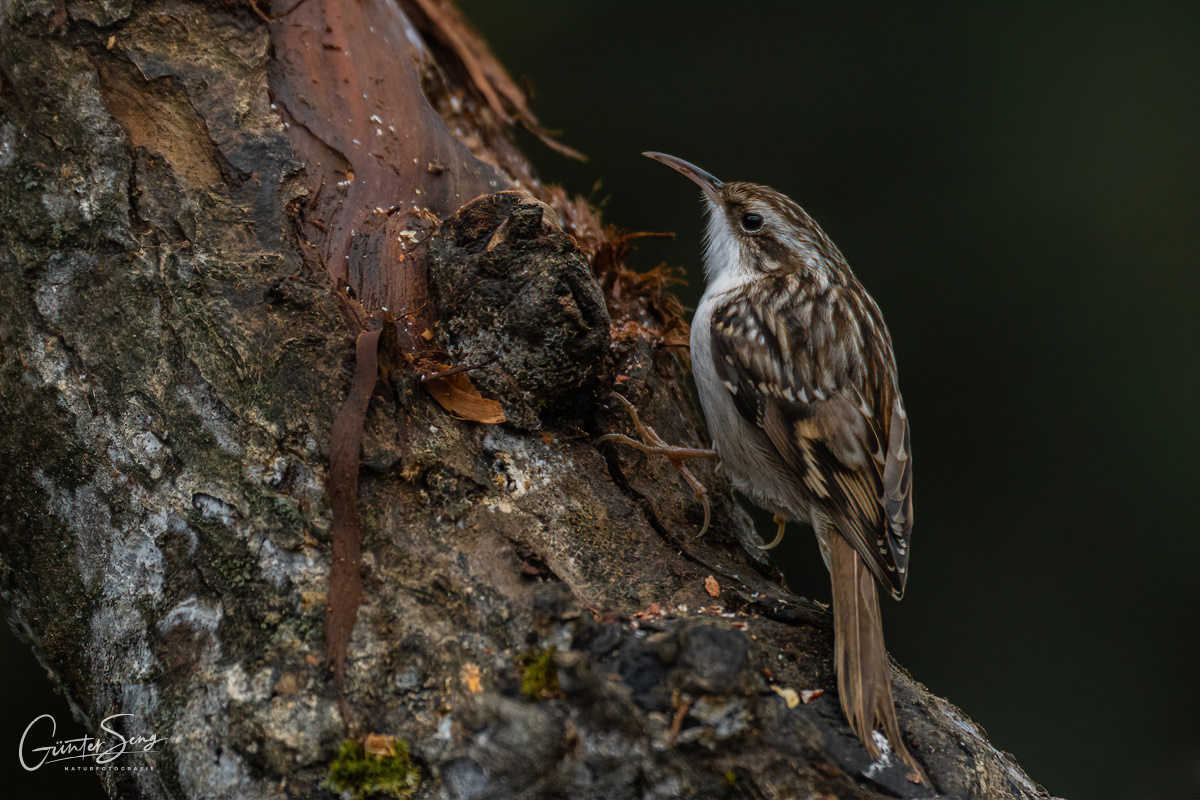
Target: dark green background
[{"x": 1017, "y": 186}]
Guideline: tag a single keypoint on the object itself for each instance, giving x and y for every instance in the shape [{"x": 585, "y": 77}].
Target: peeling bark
[{"x": 200, "y": 211}]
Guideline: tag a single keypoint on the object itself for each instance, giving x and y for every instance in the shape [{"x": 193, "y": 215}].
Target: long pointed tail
[{"x": 859, "y": 655}]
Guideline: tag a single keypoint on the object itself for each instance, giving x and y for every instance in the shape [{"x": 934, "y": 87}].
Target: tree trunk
[{"x": 246, "y": 498}]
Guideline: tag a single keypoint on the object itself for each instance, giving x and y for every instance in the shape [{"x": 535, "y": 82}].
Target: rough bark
[{"x": 201, "y": 208}]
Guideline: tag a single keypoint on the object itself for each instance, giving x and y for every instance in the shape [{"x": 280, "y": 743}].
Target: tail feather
[{"x": 859, "y": 655}]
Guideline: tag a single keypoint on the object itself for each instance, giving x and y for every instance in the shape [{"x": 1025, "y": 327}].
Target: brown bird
[{"x": 795, "y": 372}]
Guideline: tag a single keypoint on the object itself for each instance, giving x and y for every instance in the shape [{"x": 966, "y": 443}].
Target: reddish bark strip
[
  {"x": 379, "y": 159},
  {"x": 345, "y": 580},
  {"x": 347, "y": 75}
]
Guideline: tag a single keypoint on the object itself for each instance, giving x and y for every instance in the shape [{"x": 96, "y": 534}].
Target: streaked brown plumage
[{"x": 794, "y": 369}]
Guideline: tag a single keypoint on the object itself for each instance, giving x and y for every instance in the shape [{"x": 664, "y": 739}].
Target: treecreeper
[{"x": 795, "y": 372}]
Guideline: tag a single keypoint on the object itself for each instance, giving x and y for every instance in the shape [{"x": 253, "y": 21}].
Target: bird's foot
[{"x": 653, "y": 444}]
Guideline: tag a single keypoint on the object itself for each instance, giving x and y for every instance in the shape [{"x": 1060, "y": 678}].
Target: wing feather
[{"x": 826, "y": 400}]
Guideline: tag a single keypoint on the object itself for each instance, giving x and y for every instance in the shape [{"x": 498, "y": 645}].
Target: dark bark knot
[{"x": 509, "y": 282}]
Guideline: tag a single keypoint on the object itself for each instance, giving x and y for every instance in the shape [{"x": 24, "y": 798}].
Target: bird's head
[{"x": 755, "y": 231}]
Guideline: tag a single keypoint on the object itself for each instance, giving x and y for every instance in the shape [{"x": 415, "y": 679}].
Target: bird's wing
[{"x": 817, "y": 381}]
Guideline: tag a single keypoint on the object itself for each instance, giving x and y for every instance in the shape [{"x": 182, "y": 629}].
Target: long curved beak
[{"x": 708, "y": 183}]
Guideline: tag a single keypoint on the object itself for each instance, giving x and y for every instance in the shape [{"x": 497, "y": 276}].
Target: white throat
[{"x": 725, "y": 265}]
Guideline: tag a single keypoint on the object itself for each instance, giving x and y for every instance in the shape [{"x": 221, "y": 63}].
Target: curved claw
[
  {"x": 707, "y": 514},
  {"x": 781, "y": 521},
  {"x": 653, "y": 444}
]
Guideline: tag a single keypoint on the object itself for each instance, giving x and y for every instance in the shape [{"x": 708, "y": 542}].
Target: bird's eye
[{"x": 751, "y": 222}]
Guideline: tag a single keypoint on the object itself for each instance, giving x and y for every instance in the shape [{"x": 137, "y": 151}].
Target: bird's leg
[
  {"x": 653, "y": 444},
  {"x": 781, "y": 521}
]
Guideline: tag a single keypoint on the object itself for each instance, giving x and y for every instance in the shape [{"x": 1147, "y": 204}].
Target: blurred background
[{"x": 1016, "y": 184}]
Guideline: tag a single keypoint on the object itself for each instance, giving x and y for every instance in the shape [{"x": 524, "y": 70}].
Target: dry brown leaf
[
  {"x": 789, "y": 696},
  {"x": 459, "y": 397},
  {"x": 808, "y": 695},
  {"x": 470, "y": 678},
  {"x": 379, "y": 745},
  {"x": 712, "y": 587}
]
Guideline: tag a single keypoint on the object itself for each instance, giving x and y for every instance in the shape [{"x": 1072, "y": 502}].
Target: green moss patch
[
  {"x": 539, "y": 677},
  {"x": 380, "y": 765}
]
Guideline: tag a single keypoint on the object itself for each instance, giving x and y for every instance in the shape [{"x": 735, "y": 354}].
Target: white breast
[{"x": 746, "y": 456}]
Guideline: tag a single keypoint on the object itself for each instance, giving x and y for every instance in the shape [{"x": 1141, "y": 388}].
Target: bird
[{"x": 796, "y": 375}]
